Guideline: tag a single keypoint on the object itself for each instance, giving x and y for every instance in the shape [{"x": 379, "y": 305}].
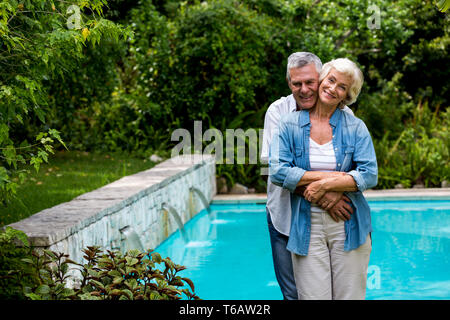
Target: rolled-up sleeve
[
  {"x": 282, "y": 170},
  {"x": 366, "y": 172}
]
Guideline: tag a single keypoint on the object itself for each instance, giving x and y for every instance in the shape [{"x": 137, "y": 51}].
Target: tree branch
[{"x": 340, "y": 41}]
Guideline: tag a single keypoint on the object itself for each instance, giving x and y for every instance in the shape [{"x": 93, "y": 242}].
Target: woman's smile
[
  {"x": 334, "y": 88},
  {"x": 329, "y": 94}
]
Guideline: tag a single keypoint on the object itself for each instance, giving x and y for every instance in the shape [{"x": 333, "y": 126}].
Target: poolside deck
[{"x": 373, "y": 195}]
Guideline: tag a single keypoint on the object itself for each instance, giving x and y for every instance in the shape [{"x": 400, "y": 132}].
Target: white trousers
[{"x": 328, "y": 272}]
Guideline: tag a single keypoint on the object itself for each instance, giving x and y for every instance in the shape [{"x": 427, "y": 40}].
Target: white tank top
[{"x": 321, "y": 158}]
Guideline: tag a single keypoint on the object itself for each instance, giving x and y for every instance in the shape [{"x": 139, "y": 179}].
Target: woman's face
[{"x": 334, "y": 87}]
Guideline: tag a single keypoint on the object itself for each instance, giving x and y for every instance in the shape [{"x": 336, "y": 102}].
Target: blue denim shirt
[{"x": 355, "y": 154}]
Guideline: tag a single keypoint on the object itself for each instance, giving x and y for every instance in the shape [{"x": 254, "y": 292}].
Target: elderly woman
[{"x": 326, "y": 149}]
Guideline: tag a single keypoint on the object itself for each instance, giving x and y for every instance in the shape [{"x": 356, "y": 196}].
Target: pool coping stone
[{"x": 372, "y": 195}]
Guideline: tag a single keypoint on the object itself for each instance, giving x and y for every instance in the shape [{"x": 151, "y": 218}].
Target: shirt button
[{"x": 339, "y": 164}]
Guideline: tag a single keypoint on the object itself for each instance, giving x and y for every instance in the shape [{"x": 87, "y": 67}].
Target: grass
[{"x": 66, "y": 176}]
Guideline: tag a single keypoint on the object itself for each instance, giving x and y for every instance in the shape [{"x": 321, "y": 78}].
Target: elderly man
[{"x": 302, "y": 76}]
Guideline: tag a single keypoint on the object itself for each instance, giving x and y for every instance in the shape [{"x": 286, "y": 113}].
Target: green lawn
[{"x": 66, "y": 176}]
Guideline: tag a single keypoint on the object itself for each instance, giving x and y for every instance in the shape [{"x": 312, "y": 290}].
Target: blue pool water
[{"x": 228, "y": 256}]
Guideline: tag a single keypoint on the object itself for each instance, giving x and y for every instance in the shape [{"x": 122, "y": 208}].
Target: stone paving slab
[{"x": 391, "y": 194}]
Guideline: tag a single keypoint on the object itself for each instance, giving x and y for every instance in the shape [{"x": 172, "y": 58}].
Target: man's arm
[{"x": 341, "y": 210}]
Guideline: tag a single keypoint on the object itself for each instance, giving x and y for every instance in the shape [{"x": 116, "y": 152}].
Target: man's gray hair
[{"x": 301, "y": 59}]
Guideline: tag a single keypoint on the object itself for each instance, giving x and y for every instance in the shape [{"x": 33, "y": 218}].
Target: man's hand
[
  {"x": 299, "y": 190},
  {"x": 329, "y": 199},
  {"x": 341, "y": 210}
]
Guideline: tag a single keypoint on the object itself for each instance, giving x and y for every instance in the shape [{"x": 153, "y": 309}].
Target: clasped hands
[{"x": 334, "y": 202}]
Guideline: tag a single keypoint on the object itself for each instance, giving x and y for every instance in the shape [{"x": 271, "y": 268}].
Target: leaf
[
  {"x": 131, "y": 261},
  {"x": 114, "y": 273},
  {"x": 97, "y": 284},
  {"x": 72, "y": 262},
  {"x": 444, "y": 5},
  {"x": 156, "y": 257},
  {"x": 93, "y": 273},
  {"x": 155, "y": 296},
  {"x": 131, "y": 284},
  {"x": 133, "y": 253},
  {"x": 115, "y": 292},
  {"x": 85, "y": 33},
  {"x": 50, "y": 254},
  {"x": 128, "y": 294},
  {"x": 43, "y": 289},
  {"x": 190, "y": 283},
  {"x": 4, "y": 132},
  {"x": 64, "y": 268},
  {"x": 33, "y": 296},
  {"x": 27, "y": 260},
  {"x": 180, "y": 268},
  {"x": 9, "y": 154},
  {"x": 118, "y": 280}
]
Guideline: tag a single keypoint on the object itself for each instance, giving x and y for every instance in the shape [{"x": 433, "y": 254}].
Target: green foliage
[
  {"x": 214, "y": 60},
  {"x": 386, "y": 108},
  {"x": 242, "y": 167},
  {"x": 15, "y": 274},
  {"x": 222, "y": 60},
  {"x": 443, "y": 5},
  {"x": 110, "y": 275},
  {"x": 201, "y": 60},
  {"x": 420, "y": 154},
  {"x": 38, "y": 45}
]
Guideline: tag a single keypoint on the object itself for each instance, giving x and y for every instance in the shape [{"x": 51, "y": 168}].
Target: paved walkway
[{"x": 391, "y": 194}]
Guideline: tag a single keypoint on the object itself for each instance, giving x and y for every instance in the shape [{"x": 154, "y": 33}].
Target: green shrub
[
  {"x": 15, "y": 274},
  {"x": 212, "y": 61},
  {"x": 386, "y": 109},
  {"x": 37, "y": 48},
  {"x": 420, "y": 154},
  {"x": 110, "y": 275}
]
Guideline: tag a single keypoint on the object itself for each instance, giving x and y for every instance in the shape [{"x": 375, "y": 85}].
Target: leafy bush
[
  {"x": 202, "y": 60},
  {"x": 386, "y": 109},
  {"x": 109, "y": 275},
  {"x": 15, "y": 274},
  {"x": 38, "y": 47},
  {"x": 420, "y": 154}
]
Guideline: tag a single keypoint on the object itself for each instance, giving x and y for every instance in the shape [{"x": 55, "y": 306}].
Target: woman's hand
[{"x": 315, "y": 191}]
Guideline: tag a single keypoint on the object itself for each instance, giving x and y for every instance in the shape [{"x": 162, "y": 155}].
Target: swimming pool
[{"x": 228, "y": 254}]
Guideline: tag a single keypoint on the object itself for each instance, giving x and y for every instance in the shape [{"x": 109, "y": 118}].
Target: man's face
[{"x": 304, "y": 85}]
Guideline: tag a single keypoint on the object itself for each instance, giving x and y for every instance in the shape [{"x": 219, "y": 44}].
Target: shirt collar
[
  {"x": 292, "y": 103},
  {"x": 335, "y": 117},
  {"x": 304, "y": 117}
]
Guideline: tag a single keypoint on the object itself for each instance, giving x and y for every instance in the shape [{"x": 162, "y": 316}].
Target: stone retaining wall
[{"x": 127, "y": 211}]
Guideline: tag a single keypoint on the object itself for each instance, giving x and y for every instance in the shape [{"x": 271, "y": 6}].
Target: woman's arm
[
  {"x": 364, "y": 176},
  {"x": 315, "y": 190},
  {"x": 282, "y": 170},
  {"x": 366, "y": 172},
  {"x": 314, "y": 176}
]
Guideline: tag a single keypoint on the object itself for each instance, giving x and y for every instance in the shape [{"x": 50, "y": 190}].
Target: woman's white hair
[{"x": 349, "y": 68}]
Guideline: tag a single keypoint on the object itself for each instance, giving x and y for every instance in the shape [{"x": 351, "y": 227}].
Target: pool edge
[{"x": 372, "y": 195}]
